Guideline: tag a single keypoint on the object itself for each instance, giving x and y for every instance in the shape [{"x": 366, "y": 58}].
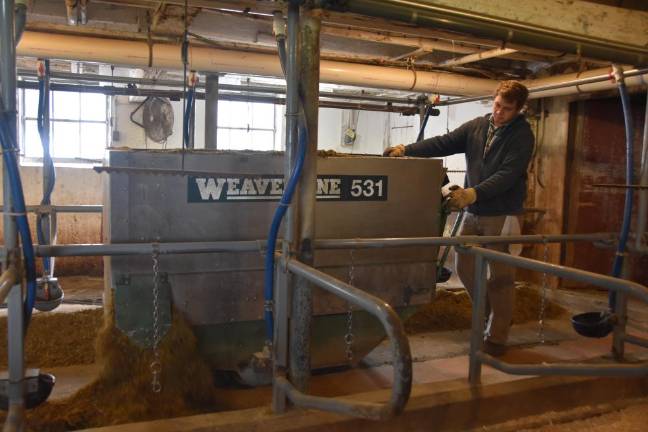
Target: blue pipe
[
  {"x": 421, "y": 133},
  {"x": 284, "y": 203},
  {"x": 187, "y": 115},
  {"x": 48, "y": 164},
  {"x": 627, "y": 211},
  {"x": 11, "y": 164}
]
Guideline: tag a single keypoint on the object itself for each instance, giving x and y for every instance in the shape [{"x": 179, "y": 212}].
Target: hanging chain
[
  {"x": 156, "y": 364},
  {"x": 543, "y": 298},
  {"x": 348, "y": 337}
]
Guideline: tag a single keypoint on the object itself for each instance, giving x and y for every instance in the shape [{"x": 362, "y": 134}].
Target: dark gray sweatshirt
[{"x": 500, "y": 177}]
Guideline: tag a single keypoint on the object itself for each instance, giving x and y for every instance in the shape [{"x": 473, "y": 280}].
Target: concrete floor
[{"x": 441, "y": 397}]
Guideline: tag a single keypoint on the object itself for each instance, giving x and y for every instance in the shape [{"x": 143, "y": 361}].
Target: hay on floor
[
  {"x": 452, "y": 311},
  {"x": 123, "y": 392}
]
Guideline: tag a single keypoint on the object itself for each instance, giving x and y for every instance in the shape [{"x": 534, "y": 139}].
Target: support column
[
  {"x": 211, "y": 112},
  {"x": 284, "y": 281},
  {"x": 15, "y": 417},
  {"x": 302, "y": 301}
]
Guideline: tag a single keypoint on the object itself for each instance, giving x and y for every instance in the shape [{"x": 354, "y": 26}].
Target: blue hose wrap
[
  {"x": 284, "y": 203},
  {"x": 49, "y": 173},
  {"x": 421, "y": 133},
  {"x": 187, "y": 115},
  {"x": 627, "y": 211},
  {"x": 9, "y": 149}
]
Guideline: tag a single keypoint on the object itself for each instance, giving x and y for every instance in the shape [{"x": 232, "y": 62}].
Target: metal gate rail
[
  {"x": 402, "y": 359},
  {"x": 478, "y": 357}
]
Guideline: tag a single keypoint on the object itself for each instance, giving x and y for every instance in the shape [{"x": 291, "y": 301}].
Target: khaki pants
[{"x": 500, "y": 285}]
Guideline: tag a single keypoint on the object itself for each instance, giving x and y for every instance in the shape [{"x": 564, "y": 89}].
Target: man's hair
[{"x": 513, "y": 91}]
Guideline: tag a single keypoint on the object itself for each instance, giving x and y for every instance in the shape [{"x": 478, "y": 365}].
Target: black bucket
[
  {"x": 443, "y": 274},
  {"x": 33, "y": 396},
  {"x": 593, "y": 324}
]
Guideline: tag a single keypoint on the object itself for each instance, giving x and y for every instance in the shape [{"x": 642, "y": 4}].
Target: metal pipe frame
[
  {"x": 258, "y": 97},
  {"x": 8, "y": 279},
  {"x": 373, "y": 243},
  {"x": 301, "y": 321},
  {"x": 62, "y": 208},
  {"x": 211, "y": 112},
  {"x": 477, "y": 357},
  {"x": 268, "y": 89},
  {"x": 285, "y": 280},
  {"x": 643, "y": 181},
  {"x": 123, "y": 249},
  {"x": 402, "y": 359},
  {"x": 15, "y": 321},
  {"x": 572, "y": 83}
]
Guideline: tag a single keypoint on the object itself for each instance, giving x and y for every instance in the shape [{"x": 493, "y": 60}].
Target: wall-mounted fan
[{"x": 157, "y": 118}]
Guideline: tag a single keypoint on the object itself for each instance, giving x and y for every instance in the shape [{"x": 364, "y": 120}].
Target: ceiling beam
[
  {"x": 488, "y": 22},
  {"x": 575, "y": 16}
]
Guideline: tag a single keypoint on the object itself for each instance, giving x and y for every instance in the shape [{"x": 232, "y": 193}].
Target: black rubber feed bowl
[
  {"x": 444, "y": 275},
  {"x": 592, "y": 324},
  {"x": 34, "y": 398}
]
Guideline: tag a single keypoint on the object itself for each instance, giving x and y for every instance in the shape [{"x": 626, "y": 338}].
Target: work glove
[
  {"x": 396, "y": 151},
  {"x": 460, "y": 198}
]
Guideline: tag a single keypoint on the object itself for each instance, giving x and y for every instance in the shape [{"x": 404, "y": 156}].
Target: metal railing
[
  {"x": 402, "y": 359},
  {"x": 114, "y": 249},
  {"x": 285, "y": 390},
  {"x": 478, "y": 357}
]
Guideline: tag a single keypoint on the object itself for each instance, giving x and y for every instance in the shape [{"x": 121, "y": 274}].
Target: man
[{"x": 498, "y": 149}]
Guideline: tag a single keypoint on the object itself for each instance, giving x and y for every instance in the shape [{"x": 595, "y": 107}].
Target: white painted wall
[{"x": 376, "y": 131}]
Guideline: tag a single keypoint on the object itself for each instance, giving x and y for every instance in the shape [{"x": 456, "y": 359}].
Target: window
[
  {"x": 79, "y": 126},
  {"x": 247, "y": 126}
]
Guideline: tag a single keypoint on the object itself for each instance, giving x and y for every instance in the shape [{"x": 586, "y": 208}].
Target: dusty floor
[
  {"x": 430, "y": 350},
  {"x": 602, "y": 418},
  {"x": 631, "y": 419}
]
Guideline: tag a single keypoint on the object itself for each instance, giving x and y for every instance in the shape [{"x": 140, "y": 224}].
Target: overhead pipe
[
  {"x": 204, "y": 59},
  {"x": 569, "y": 84},
  {"x": 429, "y": 14},
  {"x": 208, "y": 59}
]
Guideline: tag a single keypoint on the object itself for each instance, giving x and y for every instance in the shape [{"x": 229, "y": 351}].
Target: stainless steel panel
[{"x": 217, "y": 288}]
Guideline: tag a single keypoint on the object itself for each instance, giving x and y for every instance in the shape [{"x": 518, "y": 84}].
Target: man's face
[{"x": 503, "y": 111}]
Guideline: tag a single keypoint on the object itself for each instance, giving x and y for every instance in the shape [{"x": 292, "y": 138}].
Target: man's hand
[
  {"x": 460, "y": 198},
  {"x": 396, "y": 151}
]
